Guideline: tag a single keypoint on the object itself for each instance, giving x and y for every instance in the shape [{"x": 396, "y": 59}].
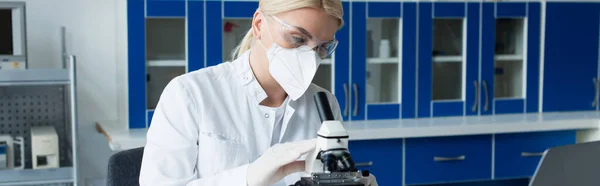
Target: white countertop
[{"x": 121, "y": 138}]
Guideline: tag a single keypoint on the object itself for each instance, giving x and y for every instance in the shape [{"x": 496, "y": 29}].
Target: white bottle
[{"x": 384, "y": 48}]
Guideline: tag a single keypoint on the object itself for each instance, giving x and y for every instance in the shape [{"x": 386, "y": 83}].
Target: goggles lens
[{"x": 296, "y": 37}]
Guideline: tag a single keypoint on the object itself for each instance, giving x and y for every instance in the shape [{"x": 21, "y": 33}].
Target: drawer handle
[
  {"x": 364, "y": 164},
  {"x": 457, "y": 158},
  {"x": 531, "y": 154}
]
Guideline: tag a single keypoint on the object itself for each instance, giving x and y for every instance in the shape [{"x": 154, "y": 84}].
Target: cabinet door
[
  {"x": 136, "y": 68},
  {"x": 341, "y": 69},
  {"x": 378, "y": 71},
  {"x": 571, "y": 56},
  {"x": 196, "y": 40},
  {"x": 227, "y": 23},
  {"x": 517, "y": 155},
  {"x": 382, "y": 158},
  {"x": 165, "y": 57},
  {"x": 510, "y": 48},
  {"x": 447, "y": 44},
  {"x": 448, "y": 159},
  {"x": 165, "y": 8}
]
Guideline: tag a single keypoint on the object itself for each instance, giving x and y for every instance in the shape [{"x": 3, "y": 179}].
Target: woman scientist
[{"x": 247, "y": 122}]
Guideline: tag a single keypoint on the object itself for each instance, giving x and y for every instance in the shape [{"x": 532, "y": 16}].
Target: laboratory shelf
[
  {"x": 447, "y": 59},
  {"x": 382, "y": 60},
  {"x": 167, "y": 63},
  {"x": 55, "y": 92},
  {"x": 34, "y": 77},
  {"x": 36, "y": 176},
  {"x": 508, "y": 57}
]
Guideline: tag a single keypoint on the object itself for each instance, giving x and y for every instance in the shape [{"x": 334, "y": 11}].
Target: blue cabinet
[
  {"x": 383, "y": 60},
  {"x": 510, "y": 62},
  {"x": 165, "y": 8},
  {"x": 463, "y": 73},
  {"x": 395, "y": 59},
  {"x": 383, "y": 158},
  {"x": 227, "y": 23},
  {"x": 448, "y": 159},
  {"x": 341, "y": 69},
  {"x": 195, "y": 25},
  {"x": 158, "y": 50},
  {"x": 448, "y": 56},
  {"x": 136, "y": 75},
  {"x": 517, "y": 155},
  {"x": 571, "y": 57}
]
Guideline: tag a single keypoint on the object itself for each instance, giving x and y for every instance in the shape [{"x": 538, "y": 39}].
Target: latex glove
[
  {"x": 369, "y": 181},
  {"x": 277, "y": 162}
]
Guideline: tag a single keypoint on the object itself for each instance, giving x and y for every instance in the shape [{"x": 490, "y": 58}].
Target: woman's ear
[{"x": 256, "y": 23}]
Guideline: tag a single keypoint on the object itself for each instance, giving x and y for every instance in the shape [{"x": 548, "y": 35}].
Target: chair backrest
[{"x": 124, "y": 167}]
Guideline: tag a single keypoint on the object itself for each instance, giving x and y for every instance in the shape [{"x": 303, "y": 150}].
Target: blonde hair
[{"x": 272, "y": 7}]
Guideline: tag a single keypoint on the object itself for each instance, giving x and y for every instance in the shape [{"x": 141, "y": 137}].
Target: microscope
[{"x": 330, "y": 164}]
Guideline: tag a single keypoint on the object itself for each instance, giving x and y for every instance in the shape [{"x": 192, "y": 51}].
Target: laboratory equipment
[
  {"x": 44, "y": 147},
  {"x": 8, "y": 142},
  {"x": 3, "y": 163},
  {"x": 12, "y": 34},
  {"x": 384, "y": 48},
  {"x": 330, "y": 163}
]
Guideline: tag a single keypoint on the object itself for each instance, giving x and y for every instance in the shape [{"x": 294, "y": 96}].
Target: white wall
[{"x": 97, "y": 35}]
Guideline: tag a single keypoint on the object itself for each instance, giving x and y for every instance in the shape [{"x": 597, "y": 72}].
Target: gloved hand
[
  {"x": 277, "y": 162},
  {"x": 369, "y": 181}
]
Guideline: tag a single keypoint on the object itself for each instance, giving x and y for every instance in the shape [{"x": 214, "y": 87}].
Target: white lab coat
[{"x": 208, "y": 126}]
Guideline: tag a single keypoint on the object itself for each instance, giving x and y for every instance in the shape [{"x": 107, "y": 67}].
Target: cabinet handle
[
  {"x": 487, "y": 99},
  {"x": 474, "y": 108},
  {"x": 364, "y": 164},
  {"x": 595, "y": 103},
  {"x": 457, "y": 158},
  {"x": 347, "y": 99},
  {"x": 355, "y": 100},
  {"x": 531, "y": 154}
]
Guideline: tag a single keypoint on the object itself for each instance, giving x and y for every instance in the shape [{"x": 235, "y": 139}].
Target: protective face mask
[{"x": 293, "y": 69}]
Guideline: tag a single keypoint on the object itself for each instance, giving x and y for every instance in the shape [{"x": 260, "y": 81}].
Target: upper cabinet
[
  {"x": 395, "y": 59},
  {"x": 383, "y": 65},
  {"x": 571, "y": 57},
  {"x": 448, "y": 51},
  {"x": 338, "y": 71},
  {"x": 157, "y": 53},
  {"x": 165, "y": 8},
  {"x": 478, "y": 58},
  {"x": 510, "y": 57},
  {"x": 227, "y": 23}
]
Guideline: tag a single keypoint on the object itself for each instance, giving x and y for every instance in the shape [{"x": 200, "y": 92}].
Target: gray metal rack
[{"x": 41, "y": 97}]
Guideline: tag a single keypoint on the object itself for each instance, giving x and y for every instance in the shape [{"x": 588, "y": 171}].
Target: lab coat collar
[
  {"x": 251, "y": 85},
  {"x": 246, "y": 76},
  {"x": 256, "y": 92}
]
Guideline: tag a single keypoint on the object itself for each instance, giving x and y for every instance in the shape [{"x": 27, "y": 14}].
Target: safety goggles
[{"x": 295, "y": 37}]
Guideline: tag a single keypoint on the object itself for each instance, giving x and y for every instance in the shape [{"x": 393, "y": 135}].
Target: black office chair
[{"x": 124, "y": 167}]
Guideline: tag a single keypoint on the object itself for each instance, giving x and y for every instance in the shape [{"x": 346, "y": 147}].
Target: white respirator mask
[{"x": 294, "y": 69}]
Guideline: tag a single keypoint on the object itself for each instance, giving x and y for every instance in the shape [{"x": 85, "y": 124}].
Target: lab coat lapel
[{"x": 289, "y": 112}]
